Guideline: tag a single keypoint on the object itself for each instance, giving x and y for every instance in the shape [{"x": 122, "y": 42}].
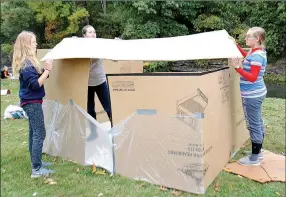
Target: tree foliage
[{"x": 54, "y": 20}]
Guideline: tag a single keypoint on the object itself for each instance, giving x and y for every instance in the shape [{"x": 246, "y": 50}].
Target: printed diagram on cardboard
[
  {"x": 194, "y": 104},
  {"x": 197, "y": 171}
]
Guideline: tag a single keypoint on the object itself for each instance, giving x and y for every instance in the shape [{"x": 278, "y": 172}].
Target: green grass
[{"x": 15, "y": 165}]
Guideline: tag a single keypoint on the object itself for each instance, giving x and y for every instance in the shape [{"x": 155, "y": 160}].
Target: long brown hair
[{"x": 23, "y": 51}]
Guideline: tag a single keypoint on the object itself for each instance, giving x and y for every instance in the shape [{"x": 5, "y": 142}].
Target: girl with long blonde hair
[{"x": 31, "y": 94}]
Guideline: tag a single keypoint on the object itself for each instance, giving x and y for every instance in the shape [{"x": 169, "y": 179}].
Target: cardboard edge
[{"x": 169, "y": 73}]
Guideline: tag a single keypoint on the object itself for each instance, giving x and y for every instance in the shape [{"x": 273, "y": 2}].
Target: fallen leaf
[
  {"x": 226, "y": 169},
  {"x": 239, "y": 176},
  {"x": 141, "y": 185},
  {"x": 163, "y": 188},
  {"x": 100, "y": 172},
  {"x": 216, "y": 187},
  {"x": 93, "y": 168},
  {"x": 35, "y": 194},
  {"x": 230, "y": 186},
  {"x": 77, "y": 170},
  {"x": 176, "y": 193},
  {"x": 100, "y": 194},
  {"x": 277, "y": 193},
  {"x": 50, "y": 181}
]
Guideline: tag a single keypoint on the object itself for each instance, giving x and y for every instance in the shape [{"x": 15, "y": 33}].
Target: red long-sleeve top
[{"x": 254, "y": 70}]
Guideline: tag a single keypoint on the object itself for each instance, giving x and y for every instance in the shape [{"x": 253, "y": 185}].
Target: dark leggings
[
  {"x": 103, "y": 95},
  {"x": 37, "y": 132}
]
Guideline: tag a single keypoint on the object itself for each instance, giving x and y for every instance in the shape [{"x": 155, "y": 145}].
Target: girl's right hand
[{"x": 49, "y": 64}]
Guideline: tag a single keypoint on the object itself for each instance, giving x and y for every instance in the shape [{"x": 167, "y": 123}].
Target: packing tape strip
[{"x": 146, "y": 111}]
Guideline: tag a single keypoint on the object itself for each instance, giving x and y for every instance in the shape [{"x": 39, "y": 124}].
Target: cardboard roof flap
[{"x": 207, "y": 45}]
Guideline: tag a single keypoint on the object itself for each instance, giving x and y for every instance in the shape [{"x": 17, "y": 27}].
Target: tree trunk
[
  {"x": 103, "y": 4},
  {"x": 86, "y": 20}
]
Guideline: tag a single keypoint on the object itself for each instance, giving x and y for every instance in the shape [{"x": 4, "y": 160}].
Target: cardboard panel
[
  {"x": 180, "y": 95},
  {"x": 63, "y": 73},
  {"x": 68, "y": 80},
  {"x": 112, "y": 67},
  {"x": 163, "y": 150},
  {"x": 216, "y": 124},
  {"x": 239, "y": 130}
]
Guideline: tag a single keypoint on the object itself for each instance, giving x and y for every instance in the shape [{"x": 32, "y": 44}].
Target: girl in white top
[{"x": 97, "y": 80}]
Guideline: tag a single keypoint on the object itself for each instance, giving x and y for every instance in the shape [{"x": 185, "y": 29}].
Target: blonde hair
[
  {"x": 260, "y": 33},
  {"x": 23, "y": 51},
  {"x": 84, "y": 29}
]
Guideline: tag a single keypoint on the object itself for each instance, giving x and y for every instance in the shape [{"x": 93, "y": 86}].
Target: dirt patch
[{"x": 278, "y": 67}]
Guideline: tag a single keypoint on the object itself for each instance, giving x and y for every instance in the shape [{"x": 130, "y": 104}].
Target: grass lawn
[{"x": 75, "y": 180}]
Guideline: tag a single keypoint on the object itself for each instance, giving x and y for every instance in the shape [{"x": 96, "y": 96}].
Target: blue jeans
[
  {"x": 253, "y": 115},
  {"x": 103, "y": 96},
  {"x": 37, "y": 132}
]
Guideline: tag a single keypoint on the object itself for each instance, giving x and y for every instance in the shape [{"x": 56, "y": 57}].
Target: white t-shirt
[{"x": 96, "y": 72}]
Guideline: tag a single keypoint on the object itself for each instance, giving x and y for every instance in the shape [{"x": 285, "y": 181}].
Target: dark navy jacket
[{"x": 29, "y": 86}]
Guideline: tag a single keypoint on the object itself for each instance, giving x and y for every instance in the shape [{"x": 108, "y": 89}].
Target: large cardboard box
[
  {"x": 182, "y": 128},
  {"x": 110, "y": 67}
]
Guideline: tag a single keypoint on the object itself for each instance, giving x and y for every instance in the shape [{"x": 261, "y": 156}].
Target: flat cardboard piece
[
  {"x": 177, "y": 95},
  {"x": 206, "y": 45},
  {"x": 272, "y": 168}
]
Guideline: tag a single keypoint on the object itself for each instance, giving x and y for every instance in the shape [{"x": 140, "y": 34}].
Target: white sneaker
[{"x": 36, "y": 173}]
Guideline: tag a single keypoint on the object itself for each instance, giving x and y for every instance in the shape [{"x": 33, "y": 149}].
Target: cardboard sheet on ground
[
  {"x": 272, "y": 168},
  {"x": 207, "y": 45}
]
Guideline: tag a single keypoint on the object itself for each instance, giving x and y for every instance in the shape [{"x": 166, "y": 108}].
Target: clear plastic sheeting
[
  {"x": 161, "y": 149},
  {"x": 71, "y": 133}
]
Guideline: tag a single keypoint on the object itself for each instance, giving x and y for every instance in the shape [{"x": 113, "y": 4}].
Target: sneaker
[
  {"x": 36, "y": 173},
  {"x": 247, "y": 162},
  {"x": 46, "y": 164},
  {"x": 260, "y": 155}
]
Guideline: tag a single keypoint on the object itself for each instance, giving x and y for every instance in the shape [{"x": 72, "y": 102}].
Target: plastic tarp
[
  {"x": 71, "y": 133},
  {"x": 146, "y": 146},
  {"x": 208, "y": 45},
  {"x": 162, "y": 149}
]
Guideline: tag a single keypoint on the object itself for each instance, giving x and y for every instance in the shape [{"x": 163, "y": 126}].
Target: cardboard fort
[{"x": 177, "y": 130}]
